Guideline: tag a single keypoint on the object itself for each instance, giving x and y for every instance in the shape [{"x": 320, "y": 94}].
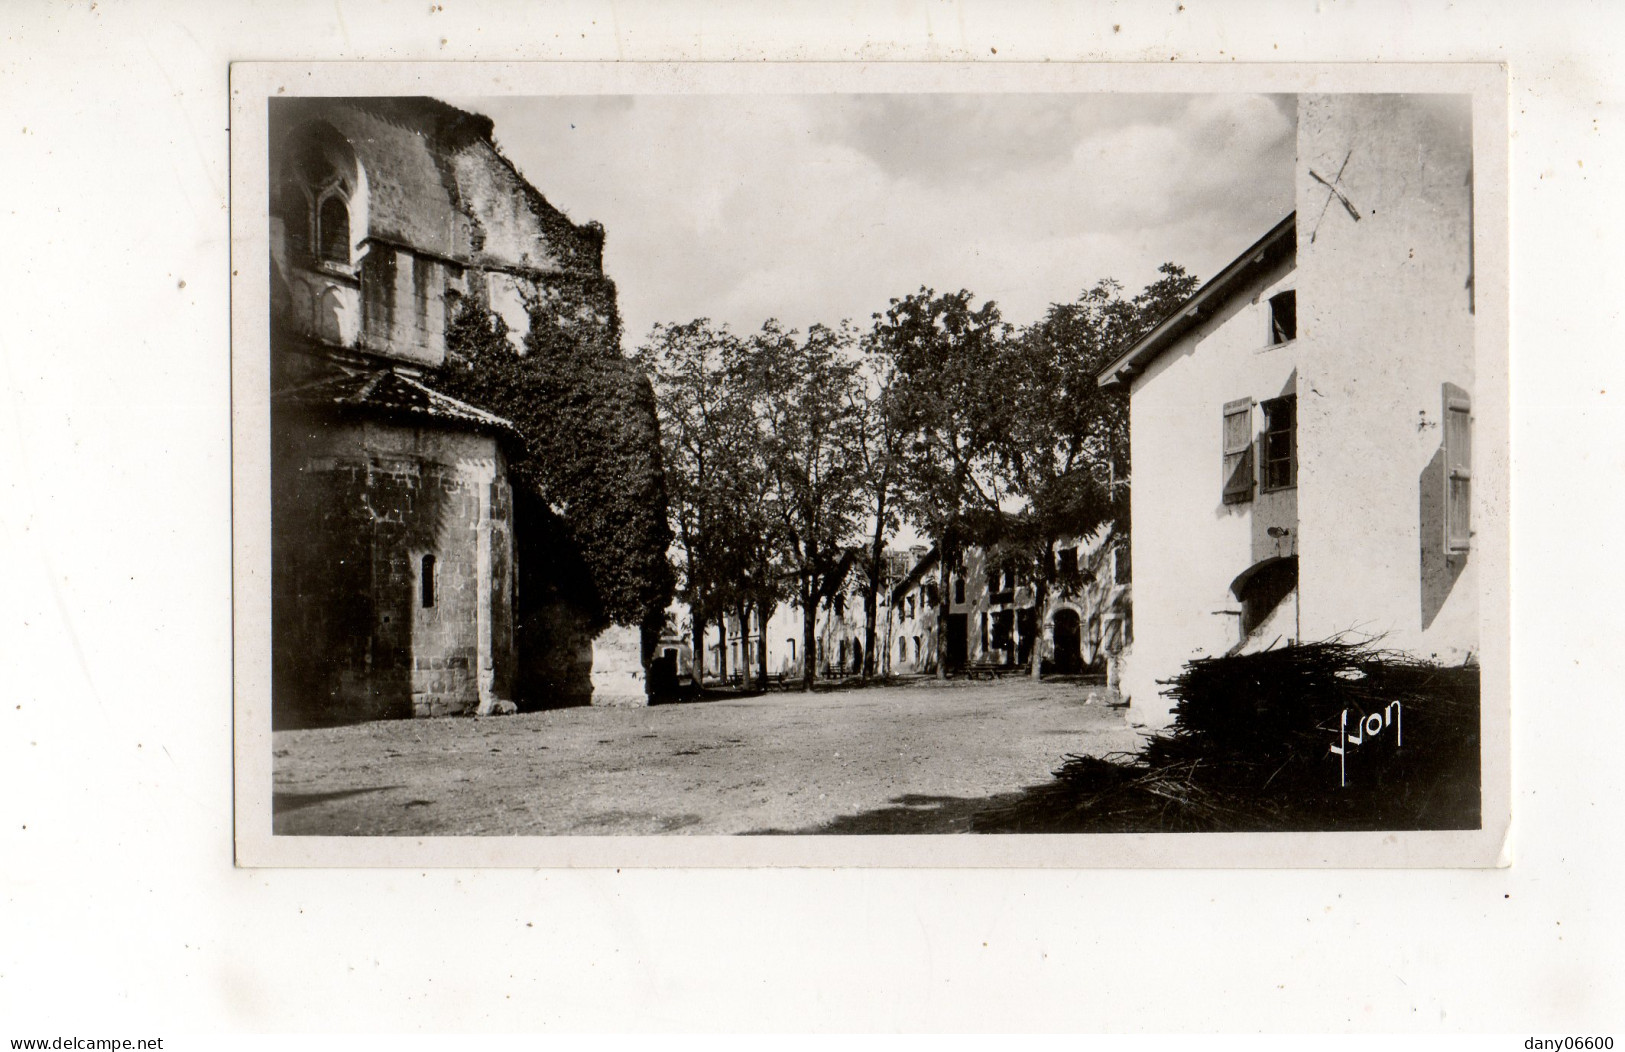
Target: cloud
[
  {"x": 816, "y": 208},
  {"x": 957, "y": 139}
]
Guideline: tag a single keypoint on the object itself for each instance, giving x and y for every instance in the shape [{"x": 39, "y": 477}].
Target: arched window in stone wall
[
  {"x": 333, "y": 227},
  {"x": 320, "y": 196},
  {"x": 426, "y": 585}
]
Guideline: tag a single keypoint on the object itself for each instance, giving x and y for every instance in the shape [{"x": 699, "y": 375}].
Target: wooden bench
[{"x": 993, "y": 670}]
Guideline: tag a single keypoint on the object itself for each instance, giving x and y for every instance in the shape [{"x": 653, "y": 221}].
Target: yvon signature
[{"x": 1368, "y": 726}]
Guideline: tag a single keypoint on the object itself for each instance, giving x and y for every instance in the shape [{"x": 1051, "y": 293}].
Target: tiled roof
[{"x": 390, "y": 393}]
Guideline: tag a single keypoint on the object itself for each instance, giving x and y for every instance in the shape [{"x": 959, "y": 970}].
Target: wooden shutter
[
  {"x": 1458, "y": 470},
  {"x": 1238, "y": 451}
]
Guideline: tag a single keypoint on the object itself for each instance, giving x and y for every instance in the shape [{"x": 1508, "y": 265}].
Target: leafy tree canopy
[{"x": 951, "y": 399}]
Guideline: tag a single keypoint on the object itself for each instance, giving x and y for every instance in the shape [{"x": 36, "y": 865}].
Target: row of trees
[{"x": 791, "y": 458}]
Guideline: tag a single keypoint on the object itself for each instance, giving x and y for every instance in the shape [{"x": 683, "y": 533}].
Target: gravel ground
[{"x": 920, "y": 757}]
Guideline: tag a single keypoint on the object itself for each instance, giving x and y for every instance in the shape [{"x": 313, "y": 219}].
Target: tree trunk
[
  {"x": 1040, "y": 595},
  {"x": 877, "y": 577},
  {"x": 722, "y": 648},
  {"x": 809, "y": 631},
  {"x": 743, "y": 632},
  {"x": 763, "y": 612},
  {"x": 883, "y": 666},
  {"x": 944, "y": 599},
  {"x": 698, "y": 657},
  {"x": 869, "y": 632}
]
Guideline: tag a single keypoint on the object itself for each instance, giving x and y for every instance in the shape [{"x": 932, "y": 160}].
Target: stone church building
[{"x": 394, "y": 590}]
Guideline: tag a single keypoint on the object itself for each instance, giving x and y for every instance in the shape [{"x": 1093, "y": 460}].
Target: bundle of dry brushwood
[{"x": 1254, "y": 746}]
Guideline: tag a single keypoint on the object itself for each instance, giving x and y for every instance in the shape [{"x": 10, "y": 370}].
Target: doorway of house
[
  {"x": 957, "y": 642},
  {"x": 1026, "y": 634},
  {"x": 1068, "y": 641}
]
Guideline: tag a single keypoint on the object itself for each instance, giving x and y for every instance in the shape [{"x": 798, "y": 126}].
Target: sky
[{"x": 818, "y": 208}]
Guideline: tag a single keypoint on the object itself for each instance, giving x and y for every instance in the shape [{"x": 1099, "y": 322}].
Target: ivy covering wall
[{"x": 590, "y": 452}]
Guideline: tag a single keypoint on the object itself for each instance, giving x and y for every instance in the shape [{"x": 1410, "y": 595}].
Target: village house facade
[
  {"x": 993, "y": 619},
  {"x": 395, "y": 587},
  {"x": 1302, "y": 426}
]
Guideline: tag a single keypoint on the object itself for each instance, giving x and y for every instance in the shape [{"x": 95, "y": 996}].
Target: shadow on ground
[
  {"x": 693, "y": 696},
  {"x": 282, "y": 803},
  {"x": 634, "y": 823},
  {"x": 917, "y": 813},
  {"x": 1051, "y": 808},
  {"x": 688, "y": 693}
]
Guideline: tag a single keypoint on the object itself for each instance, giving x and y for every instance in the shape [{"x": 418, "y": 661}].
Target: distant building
[
  {"x": 992, "y": 619},
  {"x": 1302, "y": 425},
  {"x": 394, "y": 569}
]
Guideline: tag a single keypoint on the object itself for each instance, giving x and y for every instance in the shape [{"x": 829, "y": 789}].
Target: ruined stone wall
[
  {"x": 527, "y": 256},
  {"x": 510, "y": 223},
  {"x": 555, "y": 657},
  {"x": 437, "y": 214},
  {"x": 356, "y": 506}
]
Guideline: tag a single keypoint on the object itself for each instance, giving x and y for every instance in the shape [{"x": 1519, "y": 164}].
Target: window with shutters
[
  {"x": 1001, "y": 586},
  {"x": 1238, "y": 451},
  {"x": 1458, "y": 470},
  {"x": 1002, "y": 634},
  {"x": 1280, "y": 446}
]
